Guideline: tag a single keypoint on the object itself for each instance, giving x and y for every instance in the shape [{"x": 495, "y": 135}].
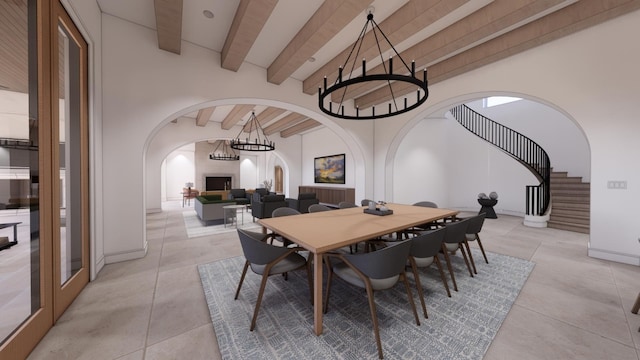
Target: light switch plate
[{"x": 616, "y": 184}]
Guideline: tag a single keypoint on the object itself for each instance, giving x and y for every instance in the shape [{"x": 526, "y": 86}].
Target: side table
[
  {"x": 487, "y": 208},
  {"x": 231, "y": 211}
]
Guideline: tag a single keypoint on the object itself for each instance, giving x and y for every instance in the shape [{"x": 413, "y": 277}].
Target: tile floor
[{"x": 572, "y": 306}]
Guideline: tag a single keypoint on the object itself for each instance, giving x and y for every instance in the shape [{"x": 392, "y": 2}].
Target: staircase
[
  {"x": 519, "y": 147},
  {"x": 570, "y": 198}
]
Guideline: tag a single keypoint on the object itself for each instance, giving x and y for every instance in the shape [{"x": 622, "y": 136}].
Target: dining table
[{"x": 322, "y": 232}]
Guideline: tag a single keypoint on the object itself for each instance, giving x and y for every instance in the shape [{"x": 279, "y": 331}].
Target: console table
[
  {"x": 330, "y": 195},
  {"x": 15, "y": 234}
]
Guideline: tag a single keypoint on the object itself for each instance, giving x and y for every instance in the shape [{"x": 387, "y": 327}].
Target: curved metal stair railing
[{"x": 519, "y": 147}]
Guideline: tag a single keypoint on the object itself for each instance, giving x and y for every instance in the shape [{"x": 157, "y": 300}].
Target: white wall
[
  {"x": 324, "y": 142},
  {"x": 180, "y": 170}
]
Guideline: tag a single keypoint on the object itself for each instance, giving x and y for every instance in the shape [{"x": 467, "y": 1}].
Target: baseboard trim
[
  {"x": 124, "y": 256},
  {"x": 536, "y": 221},
  {"x": 614, "y": 256},
  {"x": 154, "y": 210}
]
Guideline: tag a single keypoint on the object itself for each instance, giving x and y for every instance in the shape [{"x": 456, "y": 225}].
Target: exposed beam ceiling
[
  {"x": 203, "y": 116},
  {"x": 449, "y": 37},
  {"x": 238, "y": 112},
  {"x": 330, "y": 18},
  {"x": 169, "y": 24},
  {"x": 247, "y": 24}
]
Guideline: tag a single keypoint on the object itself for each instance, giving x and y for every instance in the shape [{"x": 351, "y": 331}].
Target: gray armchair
[
  {"x": 263, "y": 208},
  {"x": 303, "y": 202},
  {"x": 239, "y": 196}
]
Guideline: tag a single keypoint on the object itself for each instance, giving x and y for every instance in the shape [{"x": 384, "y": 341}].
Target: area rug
[
  {"x": 460, "y": 327},
  {"x": 196, "y": 227}
]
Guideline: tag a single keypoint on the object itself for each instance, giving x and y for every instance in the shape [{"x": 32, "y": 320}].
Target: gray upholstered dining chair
[
  {"x": 318, "y": 207},
  {"x": 424, "y": 252},
  {"x": 346, "y": 205},
  {"x": 473, "y": 234},
  {"x": 283, "y": 211},
  {"x": 455, "y": 239},
  {"x": 425, "y": 226},
  {"x": 365, "y": 202},
  {"x": 266, "y": 260},
  {"x": 373, "y": 271}
]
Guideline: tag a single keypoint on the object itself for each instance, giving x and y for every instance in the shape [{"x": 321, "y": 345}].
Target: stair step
[
  {"x": 561, "y": 185},
  {"x": 578, "y": 213},
  {"x": 570, "y": 205},
  {"x": 570, "y": 199},
  {"x": 569, "y": 220},
  {"x": 570, "y": 192},
  {"x": 584, "y": 229}
]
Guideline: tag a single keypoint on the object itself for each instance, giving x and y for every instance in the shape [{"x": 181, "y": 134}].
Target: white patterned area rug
[
  {"x": 196, "y": 227},
  {"x": 460, "y": 327}
]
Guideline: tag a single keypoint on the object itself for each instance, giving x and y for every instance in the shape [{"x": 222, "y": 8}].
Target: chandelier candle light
[
  {"x": 227, "y": 153},
  {"x": 387, "y": 77},
  {"x": 254, "y": 142}
]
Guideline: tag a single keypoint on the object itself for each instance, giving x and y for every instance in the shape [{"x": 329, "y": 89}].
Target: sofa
[
  {"x": 303, "y": 202},
  {"x": 209, "y": 207},
  {"x": 262, "y": 208}
]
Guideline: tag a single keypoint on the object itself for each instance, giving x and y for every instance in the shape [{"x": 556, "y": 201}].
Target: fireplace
[{"x": 217, "y": 183}]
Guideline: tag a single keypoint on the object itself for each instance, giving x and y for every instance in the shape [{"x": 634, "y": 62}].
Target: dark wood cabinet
[{"x": 330, "y": 195}]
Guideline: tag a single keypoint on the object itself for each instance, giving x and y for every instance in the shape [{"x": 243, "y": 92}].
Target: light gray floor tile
[{"x": 572, "y": 306}]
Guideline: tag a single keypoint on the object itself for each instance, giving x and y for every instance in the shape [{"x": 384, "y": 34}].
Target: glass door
[
  {"x": 70, "y": 156},
  {"x": 25, "y": 231},
  {"x": 44, "y": 170}
]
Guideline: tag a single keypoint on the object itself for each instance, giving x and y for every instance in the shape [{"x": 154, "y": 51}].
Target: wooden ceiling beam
[
  {"x": 399, "y": 26},
  {"x": 330, "y": 18},
  {"x": 247, "y": 23},
  {"x": 169, "y": 24},
  {"x": 284, "y": 123},
  {"x": 235, "y": 115},
  {"x": 568, "y": 20},
  {"x": 204, "y": 115},
  {"x": 298, "y": 128},
  {"x": 266, "y": 116},
  {"x": 478, "y": 27}
]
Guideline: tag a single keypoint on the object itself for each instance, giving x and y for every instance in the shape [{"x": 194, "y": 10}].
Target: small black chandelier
[
  {"x": 226, "y": 153},
  {"x": 387, "y": 77},
  {"x": 257, "y": 142}
]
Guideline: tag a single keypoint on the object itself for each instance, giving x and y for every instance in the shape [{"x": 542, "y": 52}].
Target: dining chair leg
[
  {"x": 265, "y": 277},
  {"x": 374, "y": 318},
  {"x": 442, "y": 275},
  {"x": 482, "y": 248},
  {"x": 466, "y": 260},
  {"x": 244, "y": 272},
  {"x": 636, "y": 306},
  {"x": 448, "y": 260},
  {"x": 473, "y": 264},
  {"x": 416, "y": 276},
  {"x": 410, "y": 298}
]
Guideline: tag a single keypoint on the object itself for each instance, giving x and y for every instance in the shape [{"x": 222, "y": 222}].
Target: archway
[{"x": 456, "y": 165}]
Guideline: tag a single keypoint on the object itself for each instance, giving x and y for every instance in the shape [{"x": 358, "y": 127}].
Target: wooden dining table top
[{"x": 324, "y": 231}]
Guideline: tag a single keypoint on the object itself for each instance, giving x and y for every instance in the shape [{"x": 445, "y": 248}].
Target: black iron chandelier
[
  {"x": 256, "y": 140},
  {"x": 341, "y": 85},
  {"x": 224, "y": 154}
]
